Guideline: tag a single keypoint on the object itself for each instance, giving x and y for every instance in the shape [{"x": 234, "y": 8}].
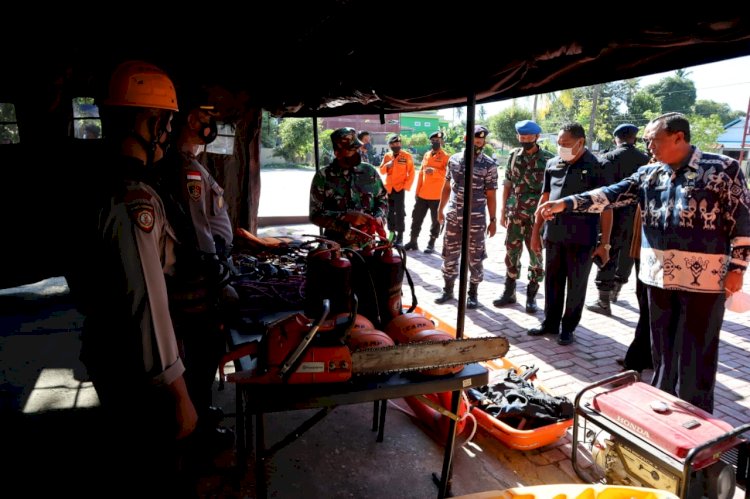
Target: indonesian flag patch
[
  {"x": 142, "y": 215},
  {"x": 194, "y": 185}
]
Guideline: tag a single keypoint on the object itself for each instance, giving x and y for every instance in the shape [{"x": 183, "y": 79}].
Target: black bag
[{"x": 518, "y": 403}]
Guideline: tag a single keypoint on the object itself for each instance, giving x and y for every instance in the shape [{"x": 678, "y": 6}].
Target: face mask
[
  {"x": 528, "y": 145},
  {"x": 395, "y": 150},
  {"x": 436, "y": 146},
  {"x": 353, "y": 160},
  {"x": 566, "y": 153},
  {"x": 208, "y": 131}
]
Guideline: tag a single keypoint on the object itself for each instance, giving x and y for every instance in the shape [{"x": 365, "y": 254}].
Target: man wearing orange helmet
[{"x": 128, "y": 343}]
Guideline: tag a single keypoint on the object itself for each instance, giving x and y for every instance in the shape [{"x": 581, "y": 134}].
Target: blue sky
[{"x": 724, "y": 81}]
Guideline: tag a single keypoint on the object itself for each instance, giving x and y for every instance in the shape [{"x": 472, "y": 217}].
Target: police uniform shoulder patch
[
  {"x": 142, "y": 213},
  {"x": 194, "y": 184},
  {"x": 140, "y": 205}
]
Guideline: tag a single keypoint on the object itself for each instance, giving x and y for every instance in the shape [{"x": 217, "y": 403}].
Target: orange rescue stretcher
[{"x": 433, "y": 412}]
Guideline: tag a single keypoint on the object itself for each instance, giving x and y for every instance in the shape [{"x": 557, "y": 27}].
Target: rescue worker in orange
[
  {"x": 429, "y": 188},
  {"x": 398, "y": 168},
  {"x": 129, "y": 345}
]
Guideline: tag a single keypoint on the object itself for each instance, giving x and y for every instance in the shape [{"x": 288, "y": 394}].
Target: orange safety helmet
[{"x": 141, "y": 84}]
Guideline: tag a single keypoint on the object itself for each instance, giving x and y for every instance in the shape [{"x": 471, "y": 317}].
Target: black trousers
[
  {"x": 418, "y": 213},
  {"x": 396, "y": 211},
  {"x": 620, "y": 264},
  {"x": 685, "y": 328},
  {"x": 640, "y": 354},
  {"x": 203, "y": 345},
  {"x": 567, "y": 267}
]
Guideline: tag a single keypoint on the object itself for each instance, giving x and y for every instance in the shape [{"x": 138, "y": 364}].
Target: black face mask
[
  {"x": 208, "y": 131},
  {"x": 353, "y": 160},
  {"x": 396, "y": 150},
  {"x": 528, "y": 145},
  {"x": 436, "y": 146}
]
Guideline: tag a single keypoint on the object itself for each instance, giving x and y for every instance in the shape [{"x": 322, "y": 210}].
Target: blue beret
[
  {"x": 481, "y": 131},
  {"x": 625, "y": 129},
  {"x": 528, "y": 127},
  {"x": 437, "y": 135}
]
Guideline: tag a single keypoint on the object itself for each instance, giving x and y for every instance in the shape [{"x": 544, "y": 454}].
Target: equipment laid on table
[
  {"x": 650, "y": 438},
  {"x": 297, "y": 350}
]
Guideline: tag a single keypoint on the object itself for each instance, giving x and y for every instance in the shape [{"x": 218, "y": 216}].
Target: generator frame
[{"x": 682, "y": 468}]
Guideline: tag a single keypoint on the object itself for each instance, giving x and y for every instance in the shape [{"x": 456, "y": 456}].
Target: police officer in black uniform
[
  {"x": 570, "y": 241},
  {"x": 625, "y": 160}
]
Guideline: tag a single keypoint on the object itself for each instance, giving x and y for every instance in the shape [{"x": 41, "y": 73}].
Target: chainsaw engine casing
[
  {"x": 622, "y": 463},
  {"x": 327, "y": 360}
]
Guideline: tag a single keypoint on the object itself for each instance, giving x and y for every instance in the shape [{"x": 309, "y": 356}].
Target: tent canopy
[{"x": 339, "y": 57}]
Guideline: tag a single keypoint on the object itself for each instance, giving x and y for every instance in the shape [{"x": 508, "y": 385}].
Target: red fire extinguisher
[{"x": 328, "y": 276}]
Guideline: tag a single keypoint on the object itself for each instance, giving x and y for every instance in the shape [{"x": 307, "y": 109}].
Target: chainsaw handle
[
  {"x": 238, "y": 352},
  {"x": 292, "y": 359}
]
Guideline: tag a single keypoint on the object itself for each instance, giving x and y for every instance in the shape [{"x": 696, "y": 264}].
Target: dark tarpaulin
[{"x": 324, "y": 58}]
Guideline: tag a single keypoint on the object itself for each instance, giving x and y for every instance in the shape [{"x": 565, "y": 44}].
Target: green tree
[
  {"x": 454, "y": 138},
  {"x": 503, "y": 125},
  {"x": 269, "y": 130},
  {"x": 8, "y": 126},
  {"x": 722, "y": 110},
  {"x": 296, "y": 136},
  {"x": 704, "y": 130},
  {"x": 326, "y": 147},
  {"x": 641, "y": 103},
  {"x": 676, "y": 93},
  {"x": 482, "y": 113}
]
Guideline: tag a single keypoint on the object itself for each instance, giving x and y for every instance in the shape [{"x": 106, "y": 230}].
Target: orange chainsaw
[{"x": 294, "y": 350}]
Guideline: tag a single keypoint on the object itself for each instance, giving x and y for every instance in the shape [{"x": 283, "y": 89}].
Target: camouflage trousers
[
  {"x": 452, "y": 246},
  {"x": 519, "y": 234}
]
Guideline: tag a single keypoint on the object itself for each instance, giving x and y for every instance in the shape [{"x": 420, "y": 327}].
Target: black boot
[
  {"x": 472, "y": 301},
  {"x": 509, "y": 295},
  {"x": 600, "y": 305},
  {"x": 430, "y": 246},
  {"x": 412, "y": 244},
  {"x": 615, "y": 293},
  {"x": 399, "y": 238},
  {"x": 447, "y": 293},
  {"x": 531, "y": 291}
]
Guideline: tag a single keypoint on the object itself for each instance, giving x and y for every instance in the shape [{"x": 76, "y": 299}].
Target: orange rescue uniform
[
  {"x": 432, "y": 175},
  {"x": 401, "y": 176}
]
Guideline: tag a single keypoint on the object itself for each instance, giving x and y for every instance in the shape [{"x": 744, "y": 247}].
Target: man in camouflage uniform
[
  {"x": 484, "y": 185},
  {"x": 522, "y": 187},
  {"x": 347, "y": 193}
]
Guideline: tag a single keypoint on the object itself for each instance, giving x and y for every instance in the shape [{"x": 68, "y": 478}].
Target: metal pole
[
  {"x": 466, "y": 220},
  {"x": 315, "y": 143},
  {"x": 745, "y": 133}
]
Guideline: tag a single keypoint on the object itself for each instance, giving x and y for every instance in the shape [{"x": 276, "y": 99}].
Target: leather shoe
[
  {"x": 566, "y": 338},
  {"x": 539, "y": 331},
  {"x": 214, "y": 416}
]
